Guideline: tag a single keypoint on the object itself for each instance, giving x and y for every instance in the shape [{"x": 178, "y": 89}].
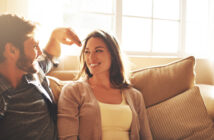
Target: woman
[{"x": 103, "y": 106}]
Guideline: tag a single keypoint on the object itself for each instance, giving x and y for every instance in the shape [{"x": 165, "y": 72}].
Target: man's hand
[
  {"x": 66, "y": 36},
  {"x": 61, "y": 35}
]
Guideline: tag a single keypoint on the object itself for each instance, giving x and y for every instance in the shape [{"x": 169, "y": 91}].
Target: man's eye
[{"x": 36, "y": 45}]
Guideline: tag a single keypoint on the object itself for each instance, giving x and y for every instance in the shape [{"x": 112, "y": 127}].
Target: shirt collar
[
  {"x": 4, "y": 84},
  {"x": 34, "y": 79},
  {"x": 28, "y": 78}
]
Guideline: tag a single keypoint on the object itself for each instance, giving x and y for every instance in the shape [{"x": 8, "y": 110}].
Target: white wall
[
  {"x": 19, "y": 7},
  {"x": 3, "y": 6}
]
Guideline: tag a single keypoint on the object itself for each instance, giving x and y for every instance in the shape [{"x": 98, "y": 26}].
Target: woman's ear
[{"x": 11, "y": 51}]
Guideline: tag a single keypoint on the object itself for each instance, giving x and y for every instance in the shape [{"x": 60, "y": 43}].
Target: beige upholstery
[
  {"x": 207, "y": 93},
  {"x": 56, "y": 86},
  {"x": 181, "y": 117},
  {"x": 63, "y": 75},
  {"x": 163, "y": 82},
  {"x": 175, "y": 108}
]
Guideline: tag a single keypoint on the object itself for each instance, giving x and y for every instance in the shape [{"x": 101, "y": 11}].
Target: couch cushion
[
  {"x": 163, "y": 82},
  {"x": 181, "y": 117},
  {"x": 207, "y": 93},
  {"x": 56, "y": 86},
  {"x": 63, "y": 74}
]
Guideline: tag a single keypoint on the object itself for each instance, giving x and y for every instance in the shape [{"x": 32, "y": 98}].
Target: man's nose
[{"x": 39, "y": 52}]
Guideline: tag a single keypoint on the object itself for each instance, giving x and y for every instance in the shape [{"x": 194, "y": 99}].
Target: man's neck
[{"x": 12, "y": 74}]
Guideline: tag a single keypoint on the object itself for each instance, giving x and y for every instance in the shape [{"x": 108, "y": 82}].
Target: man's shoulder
[
  {"x": 3, "y": 106},
  {"x": 4, "y": 84}
]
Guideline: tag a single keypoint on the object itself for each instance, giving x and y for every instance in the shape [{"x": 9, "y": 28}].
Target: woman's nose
[{"x": 92, "y": 56}]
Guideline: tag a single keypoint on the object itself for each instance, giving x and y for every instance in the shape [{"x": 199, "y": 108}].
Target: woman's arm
[
  {"x": 68, "y": 113},
  {"x": 145, "y": 132}
]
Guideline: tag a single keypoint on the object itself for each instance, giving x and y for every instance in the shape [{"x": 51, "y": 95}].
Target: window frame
[{"x": 181, "y": 36}]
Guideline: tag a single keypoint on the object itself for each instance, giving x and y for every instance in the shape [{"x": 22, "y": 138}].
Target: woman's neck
[{"x": 101, "y": 81}]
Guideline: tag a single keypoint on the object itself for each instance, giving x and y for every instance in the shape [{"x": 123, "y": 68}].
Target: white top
[{"x": 116, "y": 120}]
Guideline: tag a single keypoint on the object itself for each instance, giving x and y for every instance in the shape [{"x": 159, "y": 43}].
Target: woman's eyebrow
[{"x": 98, "y": 47}]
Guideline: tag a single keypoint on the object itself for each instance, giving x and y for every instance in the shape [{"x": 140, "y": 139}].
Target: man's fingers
[
  {"x": 67, "y": 42},
  {"x": 73, "y": 38}
]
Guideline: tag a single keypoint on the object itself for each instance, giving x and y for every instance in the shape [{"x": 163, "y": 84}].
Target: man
[{"x": 27, "y": 108}]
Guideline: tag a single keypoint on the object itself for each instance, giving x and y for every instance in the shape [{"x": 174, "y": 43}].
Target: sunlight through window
[{"x": 143, "y": 27}]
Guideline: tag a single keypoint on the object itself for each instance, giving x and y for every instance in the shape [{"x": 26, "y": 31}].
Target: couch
[{"x": 177, "y": 107}]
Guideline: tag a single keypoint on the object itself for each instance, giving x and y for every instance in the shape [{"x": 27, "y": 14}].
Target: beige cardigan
[{"x": 79, "y": 113}]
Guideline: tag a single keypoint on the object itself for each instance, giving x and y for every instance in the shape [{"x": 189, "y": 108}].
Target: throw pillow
[
  {"x": 181, "y": 117},
  {"x": 56, "y": 86},
  {"x": 163, "y": 82}
]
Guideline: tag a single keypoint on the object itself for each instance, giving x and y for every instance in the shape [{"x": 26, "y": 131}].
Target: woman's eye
[
  {"x": 86, "y": 52},
  {"x": 99, "y": 50}
]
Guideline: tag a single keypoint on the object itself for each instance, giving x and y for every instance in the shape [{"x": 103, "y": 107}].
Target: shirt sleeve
[
  {"x": 3, "y": 107},
  {"x": 47, "y": 62},
  {"x": 145, "y": 132},
  {"x": 68, "y": 113}
]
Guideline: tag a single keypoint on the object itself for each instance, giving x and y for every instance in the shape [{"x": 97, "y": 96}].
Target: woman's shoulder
[
  {"x": 74, "y": 90},
  {"x": 133, "y": 92},
  {"x": 75, "y": 84}
]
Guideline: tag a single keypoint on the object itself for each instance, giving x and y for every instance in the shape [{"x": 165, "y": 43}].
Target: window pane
[
  {"x": 85, "y": 23},
  {"x": 165, "y": 36},
  {"x": 137, "y": 7},
  {"x": 136, "y": 34},
  {"x": 104, "y": 6},
  {"x": 166, "y": 9}
]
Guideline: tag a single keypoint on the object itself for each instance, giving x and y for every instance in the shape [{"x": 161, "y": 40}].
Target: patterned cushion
[
  {"x": 163, "y": 82},
  {"x": 181, "y": 117}
]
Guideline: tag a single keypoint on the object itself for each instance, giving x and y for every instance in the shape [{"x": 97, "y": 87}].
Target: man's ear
[{"x": 11, "y": 51}]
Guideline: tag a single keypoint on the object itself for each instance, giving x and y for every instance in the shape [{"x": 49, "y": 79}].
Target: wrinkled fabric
[{"x": 28, "y": 112}]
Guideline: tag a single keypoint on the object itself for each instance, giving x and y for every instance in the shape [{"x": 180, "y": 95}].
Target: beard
[{"x": 26, "y": 64}]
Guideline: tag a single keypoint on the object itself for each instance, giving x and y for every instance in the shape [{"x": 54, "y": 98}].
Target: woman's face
[{"x": 97, "y": 56}]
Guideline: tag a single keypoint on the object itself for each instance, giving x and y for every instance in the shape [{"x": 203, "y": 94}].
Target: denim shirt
[{"x": 28, "y": 112}]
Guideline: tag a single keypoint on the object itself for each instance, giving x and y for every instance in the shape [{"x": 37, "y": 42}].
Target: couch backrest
[{"x": 163, "y": 82}]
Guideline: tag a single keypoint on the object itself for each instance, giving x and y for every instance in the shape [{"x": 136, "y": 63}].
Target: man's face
[{"x": 27, "y": 60}]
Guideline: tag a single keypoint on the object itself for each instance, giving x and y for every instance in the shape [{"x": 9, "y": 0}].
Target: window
[
  {"x": 143, "y": 27},
  {"x": 150, "y": 26}
]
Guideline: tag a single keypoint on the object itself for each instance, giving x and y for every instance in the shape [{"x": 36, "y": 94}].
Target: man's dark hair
[{"x": 14, "y": 30}]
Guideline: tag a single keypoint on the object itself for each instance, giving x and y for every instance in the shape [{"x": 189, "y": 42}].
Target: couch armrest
[
  {"x": 56, "y": 86},
  {"x": 207, "y": 93}
]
